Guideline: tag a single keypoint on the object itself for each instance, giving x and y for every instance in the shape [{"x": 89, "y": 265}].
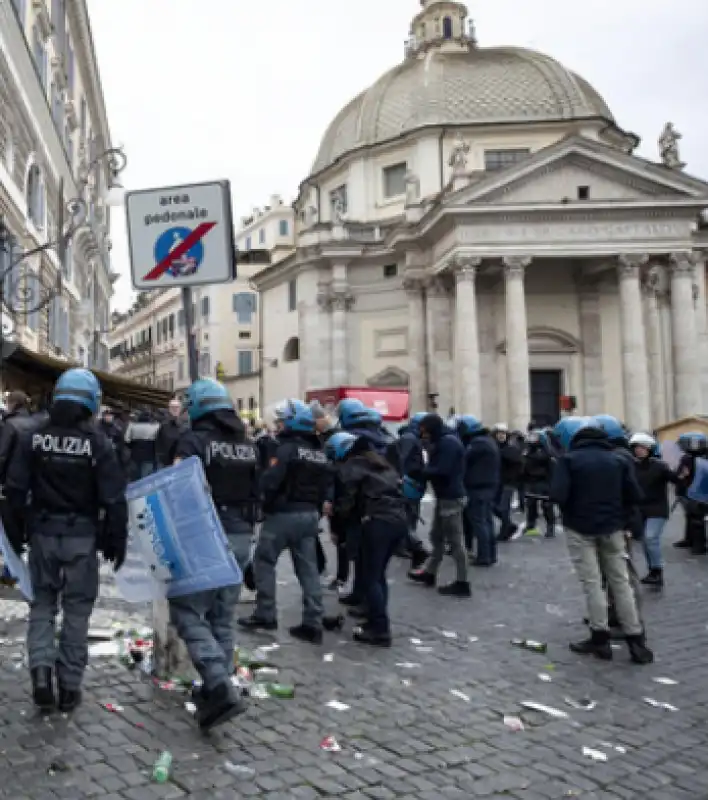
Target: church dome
[{"x": 447, "y": 80}]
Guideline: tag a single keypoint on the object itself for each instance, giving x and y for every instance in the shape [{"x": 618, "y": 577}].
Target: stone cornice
[{"x": 84, "y": 50}]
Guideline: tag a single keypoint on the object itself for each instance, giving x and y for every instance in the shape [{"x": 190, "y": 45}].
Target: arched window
[
  {"x": 35, "y": 197},
  {"x": 291, "y": 352},
  {"x": 447, "y": 28}
]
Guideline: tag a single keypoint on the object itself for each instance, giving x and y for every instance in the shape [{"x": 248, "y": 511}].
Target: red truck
[{"x": 392, "y": 404}]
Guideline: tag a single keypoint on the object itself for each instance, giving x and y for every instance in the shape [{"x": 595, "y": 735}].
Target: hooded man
[{"x": 445, "y": 472}]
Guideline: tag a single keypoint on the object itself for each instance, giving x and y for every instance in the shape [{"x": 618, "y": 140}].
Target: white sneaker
[{"x": 519, "y": 532}]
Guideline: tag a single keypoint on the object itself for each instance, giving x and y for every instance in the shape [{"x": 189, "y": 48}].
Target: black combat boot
[
  {"x": 597, "y": 645},
  {"x": 654, "y": 578},
  {"x": 419, "y": 556},
  {"x": 69, "y": 699},
  {"x": 350, "y": 600},
  {"x": 456, "y": 589},
  {"x": 218, "y": 705},
  {"x": 638, "y": 650},
  {"x": 306, "y": 633},
  {"x": 43, "y": 689},
  {"x": 421, "y": 576},
  {"x": 698, "y": 541},
  {"x": 254, "y": 623},
  {"x": 364, "y": 635}
]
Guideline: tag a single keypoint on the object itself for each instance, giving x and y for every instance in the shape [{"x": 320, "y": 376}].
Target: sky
[{"x": 200, "y": 90}]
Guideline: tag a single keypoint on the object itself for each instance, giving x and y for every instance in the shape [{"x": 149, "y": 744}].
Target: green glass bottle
[
  {"x": 281, "y": 690},
  {"x": 161, "y": 768},
  {"x": 529, "y": 644}
]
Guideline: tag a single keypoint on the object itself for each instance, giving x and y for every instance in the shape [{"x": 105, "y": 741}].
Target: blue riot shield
[
  {"x": 698, "y": 490},
  {"x": 175, "y": 523}
]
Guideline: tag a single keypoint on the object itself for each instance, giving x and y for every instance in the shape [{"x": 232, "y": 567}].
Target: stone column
[
  {"x": 591, "y": 336},
  {"x": 468, "y": 392},
  {"x": 340, "y": 301},
  {"x": 517, "y": 345},
  {"x": 655, "y": 348},
  {"x": 699, "y": 278},
  {"x": 439, "y": 344},
  {"x": 314, "y": 334},
  {"x": 687, "y": 386},
  {"x": 635, "y": 374},
  {"x": 417, "y": 369}
]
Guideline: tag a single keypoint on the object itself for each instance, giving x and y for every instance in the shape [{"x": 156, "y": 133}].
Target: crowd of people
[{"x": 64, "y": 473}]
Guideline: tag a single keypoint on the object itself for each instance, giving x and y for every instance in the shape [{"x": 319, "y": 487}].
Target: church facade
[{"x": 477, "y": 228}]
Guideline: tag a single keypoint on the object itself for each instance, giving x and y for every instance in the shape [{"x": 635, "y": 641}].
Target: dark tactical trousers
[
  {"x": 205, "y": 620},
  {"x": 63, "y": 563},
  {"x": 296, "y": 532},
  {"x": 239, "y": 532}
]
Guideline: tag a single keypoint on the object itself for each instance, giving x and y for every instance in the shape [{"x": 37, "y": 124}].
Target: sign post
[{"x": 179, "y": 236}]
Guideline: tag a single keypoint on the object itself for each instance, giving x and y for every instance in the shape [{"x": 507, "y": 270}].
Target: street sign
[{"x": 180, "y": 235}]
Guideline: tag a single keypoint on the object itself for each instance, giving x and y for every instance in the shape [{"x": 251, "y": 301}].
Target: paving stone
[{"x": 411, "y": 741}]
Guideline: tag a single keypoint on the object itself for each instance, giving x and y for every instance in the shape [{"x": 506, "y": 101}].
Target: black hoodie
[{"x": 593, "y": 486}]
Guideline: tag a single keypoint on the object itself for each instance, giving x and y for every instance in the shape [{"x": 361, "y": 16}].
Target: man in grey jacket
[{"x": 140, "y": 438}]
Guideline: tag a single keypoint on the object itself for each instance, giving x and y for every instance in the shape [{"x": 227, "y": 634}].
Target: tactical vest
[
  {"x": 230, "y": 468},
  {"x": 63, "y": 470},
  {"x": 307, "y": 474}
]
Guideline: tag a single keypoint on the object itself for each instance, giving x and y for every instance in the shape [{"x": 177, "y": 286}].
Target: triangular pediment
[
  {"x": 581, "y": 170},
  {"x": 389, "y": 378}
]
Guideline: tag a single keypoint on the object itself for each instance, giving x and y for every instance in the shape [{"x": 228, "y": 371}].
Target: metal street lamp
[{"x": 23, "y": 291}]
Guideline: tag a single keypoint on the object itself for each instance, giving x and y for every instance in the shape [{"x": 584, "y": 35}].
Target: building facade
[
  {"x": 149, "y": 343},
  {"x": 477, "y": 228},
  {"x": 53, "y": 123}
]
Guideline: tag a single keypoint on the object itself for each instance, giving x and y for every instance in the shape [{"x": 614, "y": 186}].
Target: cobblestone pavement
[{"x": 424, "y": 720}]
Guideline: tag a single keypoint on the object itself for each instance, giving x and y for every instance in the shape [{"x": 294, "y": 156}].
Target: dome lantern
[{"x": 441, "y": 25}]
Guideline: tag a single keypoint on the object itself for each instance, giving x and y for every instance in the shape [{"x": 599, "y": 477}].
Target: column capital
[
  {"x": 465, "y": 268},
  {"x": 413, "y": 284},
  {"x": 437, "y": 285},
  {"x": 630, "y": 264},
  {"x": 515, "y": 266},
  {"x": 330, "y": 298},
  {"x": 682, "y": 263}
]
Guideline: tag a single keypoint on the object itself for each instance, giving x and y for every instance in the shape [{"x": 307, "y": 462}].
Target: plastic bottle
[
  {"x": 529, "y": 644},
  {"x": 161, "y": 768}
]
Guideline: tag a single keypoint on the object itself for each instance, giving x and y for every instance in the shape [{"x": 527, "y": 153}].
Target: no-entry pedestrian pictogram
[{"x": 180, "y": 235}]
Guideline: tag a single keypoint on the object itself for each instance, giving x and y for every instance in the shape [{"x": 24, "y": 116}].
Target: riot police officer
[
  {"x": 68, "y": 470},
  {"x": 294, "y": 489},
  {"x": 205, "y": 620},
  {"x": 218, "y": 437}
]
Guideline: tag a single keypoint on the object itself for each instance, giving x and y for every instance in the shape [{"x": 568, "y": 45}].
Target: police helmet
[
  {"x": 79, "y": 386},
  {"x": 297, "y": 417},
  {"x": 467, "y": 425},
  {"x": 353, "y": 416},
  {"x": 611, "y": 425},
  {"x": 339, "y": 444},
  {"x": 566, "y": 429},
  {"x": 348, "y": 409},
  {"x": 693, "y": 442},
  {"x": 204, "y": 396},
  {"x": 500, "y": 427},
  {"x": 414, "y": 422},
  {"x": 642, "y": 440}
]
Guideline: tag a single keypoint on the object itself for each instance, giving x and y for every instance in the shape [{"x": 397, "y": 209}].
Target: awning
[{"x": 36, "y": 373}]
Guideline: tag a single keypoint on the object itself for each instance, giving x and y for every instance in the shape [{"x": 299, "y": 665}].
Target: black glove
[
  {"x": 114, "y": 550},
  {"x": 16, "y": 533}
]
